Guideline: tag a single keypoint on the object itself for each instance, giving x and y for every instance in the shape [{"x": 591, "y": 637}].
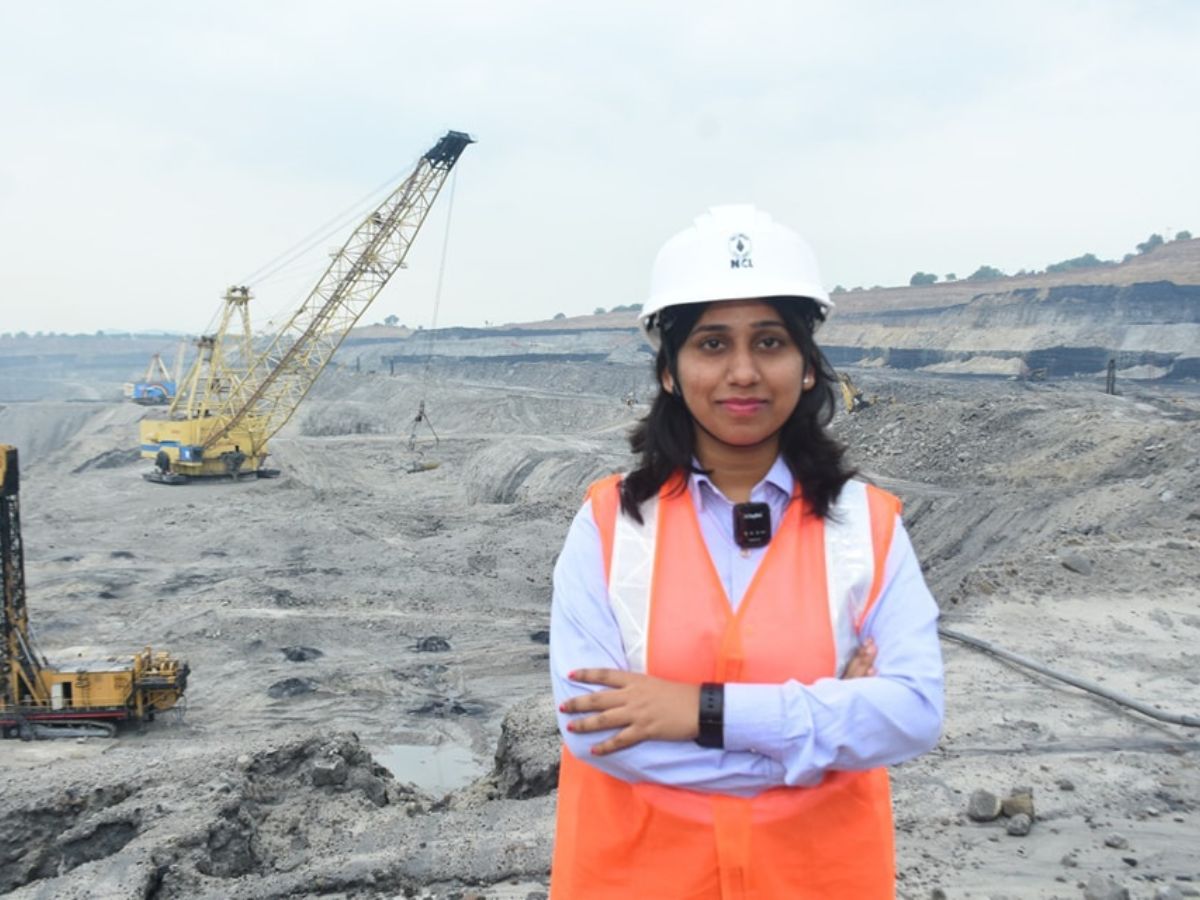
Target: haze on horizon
[{"x": 156, "y": 153}]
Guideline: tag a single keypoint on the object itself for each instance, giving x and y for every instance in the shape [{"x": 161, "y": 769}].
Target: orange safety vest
[{"x": 799, "y": 619}]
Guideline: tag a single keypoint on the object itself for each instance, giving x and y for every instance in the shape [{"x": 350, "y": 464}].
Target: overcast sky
[{"x": 152, "y": 153}]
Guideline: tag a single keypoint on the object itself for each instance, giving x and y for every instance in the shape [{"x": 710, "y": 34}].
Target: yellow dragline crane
[{"x": 233, "y": 400}]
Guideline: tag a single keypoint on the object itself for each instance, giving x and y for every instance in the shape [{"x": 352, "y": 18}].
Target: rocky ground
[{"x": 368, "y": 712}]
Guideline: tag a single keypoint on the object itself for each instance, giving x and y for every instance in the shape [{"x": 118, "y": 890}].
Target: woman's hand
[
  {"x": 862, "y": 664},
  {"x": 642, "y": 707}
]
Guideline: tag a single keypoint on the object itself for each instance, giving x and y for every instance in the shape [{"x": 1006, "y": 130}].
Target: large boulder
[{"x": 528, "y": 752}]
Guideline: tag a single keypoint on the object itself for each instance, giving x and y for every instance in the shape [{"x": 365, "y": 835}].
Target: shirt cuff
[{"x": 754, "y": 714}]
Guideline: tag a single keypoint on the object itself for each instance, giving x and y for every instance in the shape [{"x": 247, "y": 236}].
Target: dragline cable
[
  {"x": 1082, "y": 683},
  {"x": 437, "y": 292},
  {"x": 321, "y": 233},
  {"x": 422, "y": 415}
]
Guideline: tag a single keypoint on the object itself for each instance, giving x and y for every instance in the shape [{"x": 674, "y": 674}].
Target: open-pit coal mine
[{"x": 368, "y": 712}]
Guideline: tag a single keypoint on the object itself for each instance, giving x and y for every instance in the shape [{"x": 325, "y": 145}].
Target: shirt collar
[{"x": 778, "y": 480}]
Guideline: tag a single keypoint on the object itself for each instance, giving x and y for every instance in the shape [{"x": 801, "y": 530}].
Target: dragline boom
[{"x": 280, "y": 377}]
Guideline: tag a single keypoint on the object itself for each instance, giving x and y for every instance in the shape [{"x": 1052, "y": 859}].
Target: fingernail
[
  {"x": 562, "y": 707},
  {"x": 571, "y": 674},
  {"x": 570, "y": 726}
]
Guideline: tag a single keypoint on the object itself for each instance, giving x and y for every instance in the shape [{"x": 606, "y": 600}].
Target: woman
[{"x": 741, "y": 638}]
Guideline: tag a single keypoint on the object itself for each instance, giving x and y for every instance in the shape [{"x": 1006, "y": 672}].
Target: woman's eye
[
  {"x": 771, "y": 342},
  {"x": 710, "y": 344}
]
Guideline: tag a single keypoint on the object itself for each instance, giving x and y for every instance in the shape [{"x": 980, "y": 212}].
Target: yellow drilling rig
[
  {"x": 235, "y": 398},
  {"x": 86, "y": 698}
]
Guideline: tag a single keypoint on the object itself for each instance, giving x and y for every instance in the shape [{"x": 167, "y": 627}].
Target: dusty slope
[
  {"x": 254, "y": 795},
  {"x": 1175, "y": 261},
  {"x": 1007, "y": 485}
]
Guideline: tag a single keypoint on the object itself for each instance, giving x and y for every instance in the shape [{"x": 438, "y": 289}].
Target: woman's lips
[{"x": 742, "y": 407}]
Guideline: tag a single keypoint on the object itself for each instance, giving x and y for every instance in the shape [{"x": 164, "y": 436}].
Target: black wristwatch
[{"x": 712, "y": 715}]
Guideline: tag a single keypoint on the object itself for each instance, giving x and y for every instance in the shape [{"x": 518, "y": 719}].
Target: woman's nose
[{"x": 742, "y": 367}]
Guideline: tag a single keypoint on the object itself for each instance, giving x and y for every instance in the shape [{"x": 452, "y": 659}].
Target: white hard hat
[{"x": 732, "y": 253}]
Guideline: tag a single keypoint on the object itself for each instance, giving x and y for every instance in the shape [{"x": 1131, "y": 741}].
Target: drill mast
[{"x": 19, "y": 662}]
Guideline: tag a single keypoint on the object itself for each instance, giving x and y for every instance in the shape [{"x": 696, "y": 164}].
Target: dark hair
[{"x": 664, "y": 439}]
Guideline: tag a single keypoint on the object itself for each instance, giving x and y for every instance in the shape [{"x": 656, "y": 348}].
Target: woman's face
[{"x": 741, "y": 375}]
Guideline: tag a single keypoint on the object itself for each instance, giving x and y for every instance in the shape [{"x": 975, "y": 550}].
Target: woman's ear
[
  {"x": 809, "y": 380},
  {"x": 667, "y": 382}
]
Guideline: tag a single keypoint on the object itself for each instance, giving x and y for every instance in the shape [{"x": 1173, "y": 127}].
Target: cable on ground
[{"x": 1082, "y": 683}]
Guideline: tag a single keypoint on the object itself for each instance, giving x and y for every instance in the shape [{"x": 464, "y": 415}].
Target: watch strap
[{"x": 712, "y": 715}]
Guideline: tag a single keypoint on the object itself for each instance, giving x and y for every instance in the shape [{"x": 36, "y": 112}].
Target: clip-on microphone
[{"x": 752, "y": 524}]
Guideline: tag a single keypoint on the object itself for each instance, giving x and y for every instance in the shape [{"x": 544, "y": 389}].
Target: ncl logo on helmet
[{"x": 739, "y": 252}]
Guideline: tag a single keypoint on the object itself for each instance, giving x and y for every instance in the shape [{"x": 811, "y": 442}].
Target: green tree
[
  {"x": 1183, "y": 236},
  {"x": 838, "y": 289},
  {"x": 598, "y": 311},
  {"x": 558, "y": 316},
  {"x": 391, "y": 320},
  {"x": 1087, "y": 261},
  {"x": 985, "y": 273},
  {"x": 949, "y": 276},
  {"x": 920, "y": 278},
  {"x": 1155, "y": 240}
]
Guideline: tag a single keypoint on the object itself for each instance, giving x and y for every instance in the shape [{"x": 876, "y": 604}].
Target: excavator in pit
[
  {"x": 852, "y": 398},
  {"x": 85, "y": 698},
  {"x": 236, "y": 397},
  {"x": 158, "y": 386}
]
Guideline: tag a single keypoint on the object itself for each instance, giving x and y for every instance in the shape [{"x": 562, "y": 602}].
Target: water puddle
[{"x": 435, "y": 768}]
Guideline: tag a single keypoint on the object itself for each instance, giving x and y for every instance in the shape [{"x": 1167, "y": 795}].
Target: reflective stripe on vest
[
  {"x": 798, "y": 619},
  {"x": 631, "y": 572}
]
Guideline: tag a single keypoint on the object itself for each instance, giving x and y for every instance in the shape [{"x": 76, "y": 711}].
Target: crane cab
[{"x": 177, "y": 448}]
